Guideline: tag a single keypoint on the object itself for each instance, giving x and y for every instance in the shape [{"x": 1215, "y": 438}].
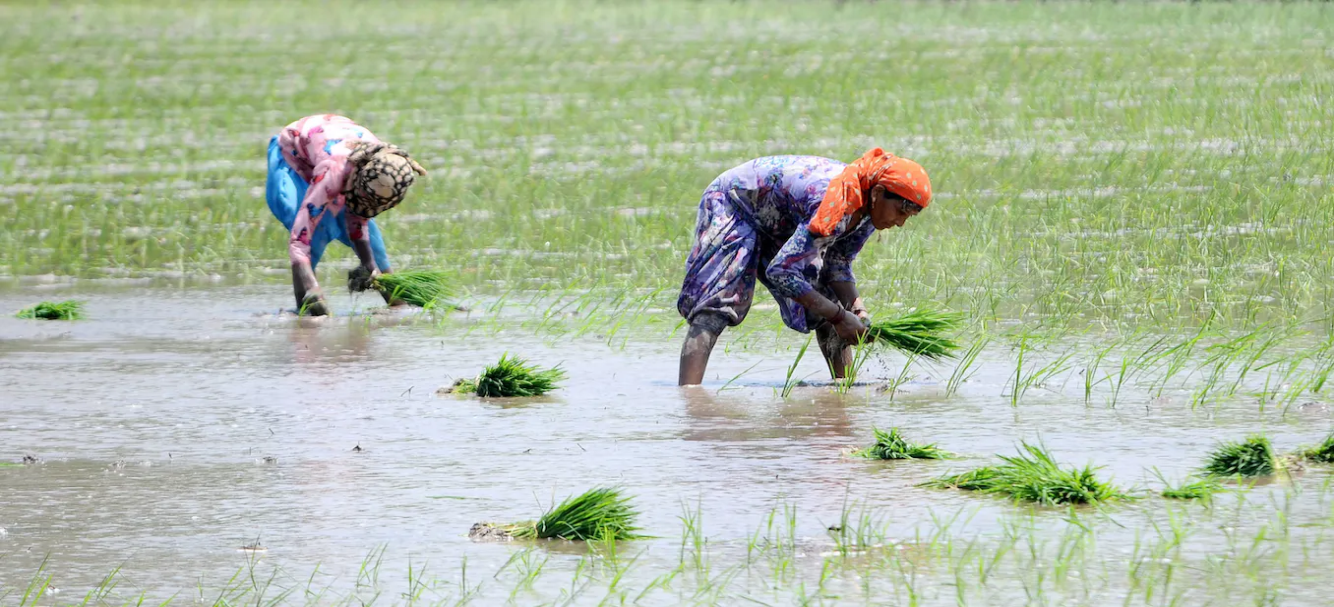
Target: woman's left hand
[{"x": 361, "y": 278}]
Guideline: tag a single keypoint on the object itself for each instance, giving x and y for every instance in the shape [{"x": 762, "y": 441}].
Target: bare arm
[
  {"x": 786, "y": 273},
  {"x": 362, "y": 277},
  {"x": 820, "y": 305},
  {"x": 849, "y": 297},
  {"x": 358, "y": 231},
  {"x": 848, "y": 326}
]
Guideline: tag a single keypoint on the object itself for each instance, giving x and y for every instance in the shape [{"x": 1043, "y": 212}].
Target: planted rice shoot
[
  {"x": 603, "y": 513},
  {"x": 790, "y": 382},
  {"x": 1322, "y": 453},
  {"x": 64, "y": 310},
  {"x": 1251, "y": 457},
  {"x": 1033, "y": 476},
  {"x": 512, "y": 376},
  {"x": 919, "y": 332},
  {"x": 1201, "y": 489},
  {"x": 892, "y": 445},
  {"x": 428, "y": 289}
]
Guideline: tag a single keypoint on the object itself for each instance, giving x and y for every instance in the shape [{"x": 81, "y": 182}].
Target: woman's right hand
[
  {"x": 309, "y": 298},
  {"x": 362, "y": 278},
  {"x": 313, "y": 304},
  {"x": 850, "y": 327}
]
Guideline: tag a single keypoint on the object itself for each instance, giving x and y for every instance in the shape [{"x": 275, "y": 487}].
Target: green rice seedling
[
  {"x": 919, "y": 332},
  {"x": 1091, "y": 370},
  {"x": 1178, "y": 356},
  {"x": 1039, "y": 376},
  {"x": 738, "y": 376},
  {"x": 1326, "y": 366},
  {"x": 64, "y": 310},
  {"x": 1322, "y": 453},
  {"x": 964, "y": 369},
  {"x": 428, "y": 289},
  {"x": 1244, "y": 351},
  {"x": 791, "y": 381},
  {"x": 1251, "y": 362},
  {"x": 602, "y": 513},
  {"x": 693, "y": 540},
  {"x": 858, "y": 530},
  {"x": 1197, "y": 489},
  {"x": 980, "y": 479},
  {"x": 1126, "y": 371},
  {"x": 859, "y": 358},
  {"x": 1251, "y": 457},
  {"x": 1033, "y": 476},
  {"x": 905, "y": 375},
  {"x": 511, "y": 376},
  {"x": 1200, "y": 489},
  {"x": 892, "y": 445}
]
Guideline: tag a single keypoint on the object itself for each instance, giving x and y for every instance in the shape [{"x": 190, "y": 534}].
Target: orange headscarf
[{"x": 847, "y": 192}]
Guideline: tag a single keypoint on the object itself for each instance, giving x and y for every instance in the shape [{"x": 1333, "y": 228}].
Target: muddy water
[{"x": 153, "y": 420}]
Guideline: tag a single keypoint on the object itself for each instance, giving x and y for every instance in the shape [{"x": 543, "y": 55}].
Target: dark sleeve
[{"x": 838, "y": 259}]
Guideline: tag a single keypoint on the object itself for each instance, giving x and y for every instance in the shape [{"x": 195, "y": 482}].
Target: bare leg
[
  {"x": 309, "y": 298},
  {"x": 695, "y": 354},
  {"x": 836, "y": 351}
]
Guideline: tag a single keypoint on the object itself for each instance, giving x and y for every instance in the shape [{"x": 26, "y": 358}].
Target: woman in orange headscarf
[{"x": 795, "y": 223}]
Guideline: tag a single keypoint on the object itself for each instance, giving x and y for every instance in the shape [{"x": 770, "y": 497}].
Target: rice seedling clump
[
  {"x": 1200, "y": 489},
  {"x": 1251, "y": 457},
  {"x": 1322, "y": 453},
  {"x": 892, "y": 445},
  {"x": 64, "y": 310},
  {"x": 428, "y": 289},
  {"x": 511, "y": 376},
  {"x": 1033, "y": 476},
  {"x": 602, "y": 513},
  {"x": 919, "y": 332}
]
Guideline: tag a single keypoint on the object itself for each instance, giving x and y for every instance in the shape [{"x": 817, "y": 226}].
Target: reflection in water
[
  {"x": 329, "y": 340},
  {"x": 740, "y": 416}
]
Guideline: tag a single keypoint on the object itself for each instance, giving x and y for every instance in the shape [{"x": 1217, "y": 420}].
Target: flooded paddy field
[
  {"x": 1134, "y": 213},
  {"x": 175, "y": 428}
]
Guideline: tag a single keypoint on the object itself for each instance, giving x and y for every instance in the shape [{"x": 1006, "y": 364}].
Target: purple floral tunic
[{"x": 756, "y": 217}]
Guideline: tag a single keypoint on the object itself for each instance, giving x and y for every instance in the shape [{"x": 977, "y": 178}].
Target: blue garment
[{"x": 285, "y": 190}]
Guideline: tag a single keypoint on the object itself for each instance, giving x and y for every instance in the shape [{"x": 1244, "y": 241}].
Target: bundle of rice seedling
[
  {"x": 65, "y": 310},
  {"x": 600, "y": 514},
  {"x": 892, "y": 445},
  {"x": 512, "y": 376},
  {"x": 427, "y": 289},
  {"x": 1200, "y": 489},
  {"x": 919, "y": 332},
  {"x": 1322, "y": 453},
  {"x": 1251, "y": 457},
  {"x": 1034, "y": 477}
]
